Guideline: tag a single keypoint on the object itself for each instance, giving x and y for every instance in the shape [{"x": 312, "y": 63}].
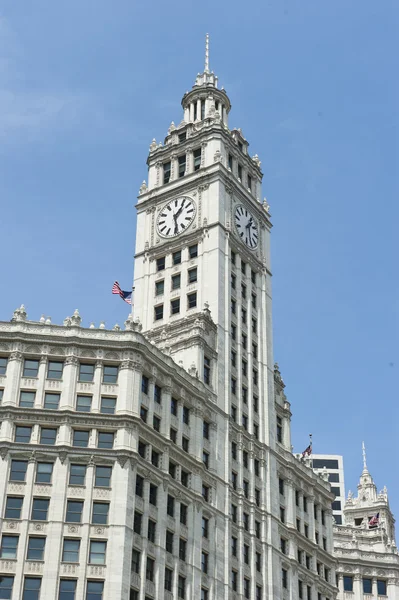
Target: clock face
[
  {"x": 176, "y": 216},
  {"x": 246, "y": 226}
]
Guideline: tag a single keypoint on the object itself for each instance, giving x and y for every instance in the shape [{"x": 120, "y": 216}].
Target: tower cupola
[{"x": 206, "y": 100}]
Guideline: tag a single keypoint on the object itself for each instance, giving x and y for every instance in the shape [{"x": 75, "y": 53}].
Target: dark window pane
[
  {"x": 51, "y": 401},
  {"x": 110, "y": 374},
  {"x": 86, "y": 372},
  {"x": 13, "y": 507},
  {"x": 3, "y": 365},
  {"x": 103, "y": 476},
  {"x": 67, "y": 589},
  {"x": 100, "y": 513},
  {"x": 54, "y": 370},
  {"x": 31, "y": 588},
  {"x": 27, "y": 399},
  {"x": 48, "y": 436},
  {"x": 36, "y": 547},
  {"x": 105, "y": 440},
  {"x": 83, "y": 403},
  {"x": 319, "y": 463},
  {"x": 31, "y": 368},
  {"x": 77, "y": 474},
  {"x": 74, "y": 511},
  {"x": 18, "y": 470},
  {"x": 44, "y": 472},
  {"x": 80, "y": 438},
  {"x": 94, "y": 590},
  {"x": 40, "y": 509},
  {"x": 108, "y": 405}
]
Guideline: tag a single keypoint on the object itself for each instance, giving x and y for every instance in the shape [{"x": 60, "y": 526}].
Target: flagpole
[
  {"x": 132, "y": 305},
  {"x": 311, "y": 449}
]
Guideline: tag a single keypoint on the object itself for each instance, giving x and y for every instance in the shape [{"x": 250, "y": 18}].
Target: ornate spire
[
  {"x": 206, "y": 70},
  {"x": 364, "y": 458}
]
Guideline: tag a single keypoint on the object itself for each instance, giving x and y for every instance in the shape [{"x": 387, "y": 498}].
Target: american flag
[
  {"x": 126, "y": 296},
  {"x": 374, "y": 521},
  {"x": 308, "y": 451}
]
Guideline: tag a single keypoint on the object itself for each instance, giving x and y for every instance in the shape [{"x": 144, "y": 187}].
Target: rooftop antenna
[{"x": 207, "y": 53}]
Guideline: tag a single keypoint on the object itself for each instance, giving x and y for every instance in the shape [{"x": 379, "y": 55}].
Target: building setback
[
  {"x": 334, "y": 465},
  {"x": 155, "y": 462}
]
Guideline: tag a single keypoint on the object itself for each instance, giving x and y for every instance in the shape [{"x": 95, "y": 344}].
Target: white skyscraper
[
  {"x": 155, "y": 462},
  {"x": 334, "y": 464}
]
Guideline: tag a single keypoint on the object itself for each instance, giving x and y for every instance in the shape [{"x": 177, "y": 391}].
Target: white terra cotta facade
[
  {"x": 155, "y": 462},
  {"x": 368, "y": 559}
]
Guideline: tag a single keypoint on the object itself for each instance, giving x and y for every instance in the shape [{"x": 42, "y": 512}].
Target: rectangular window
[
  {"x": 281, "y": 486},
  {"x": 247, "y": 587},
  {"x": 153, "y": 494},
  {"x": 51, "y": 401},
  {"x": 306, "y": 530},
  {"x": 176, "y": 257},
  {"x": 13, "y": 507},
  {"x": 381, "y": 587},
  {"x": 103, "y": 476},
  {"x": 245, "y": 422},
  {"x": 183, "y": 514},
  {"x": 233, "y": 307},
  {"x": 249, "y": 182},
  {"x": 166, "y": 172},
  {"x": 48, "y": 436},
  {"x": 32, "y": 587},
  {"x": 191, "y": 300},
  {"x": 243, "y": 316},
  {"x": 36, "y": 546},
  {"x": 110, "y": 374},
  {"x": 168, "y": 579},
  {"x": 193, "y": 251},
  {"x": 156, "y": 423},
  {"x": 192, "y": 275},
  {"x": 77, "y": 474},
  {"x": 80, "y": 438},
  {"x": 135, "y": 561},
  {"x": 239, "y": 172},
  {"x": 197, "y": 159},
  {"x": 279, "y": 429},
  {"x": 157, "y": 393},
  {"x": 31, "y": 368},
  {"x": 185, "y": 443},
  {"x": 284, "y": 578},
  {"x": 367, "y": 585},
  {"x": 70, "y": 551},
  {"x": 255, "y": 376},
  {"x": 137, "y": 522},
  {"x": 100, "y": 513},
  {"x": 176, "y": 281},
  {"x": 160, "y": 263},
  {"x": 175, "y": 306},
  {"x": 282, "y": 514},
  {"x": 143, "y": 414},
  {"x": 86, "y": 372},
  {"x": 44, "y": 472},
  {"x": 3, "y": 365},
  {"x": 67, "y": 589},
  {"x": 142, "y": 449},
  {"x": 186, "y": 415},
  {"x": 204, "y": 562},
  {"x": 234, "y": 413},
  {"x": 94, "y": 590},
  {"x": 108, "y": 405},
  {"x": 233, "y": 358},
  {"x": 233, "y": 280},
  {"x": 9, "y": 546},
  {"x": 1, "y": 394},
  {"x": 158, "y": 312},
  {"x": 181, "y": 587},
  {"x": 27, "y": 399},
  {"x": 18, "y": 470},
  {"x": 253, "y": 300},
  {"x": 170, "y": 506},
  {"x": 97, "y": 552},
  {"x": 233, "y": 385},
  {"x": 243, "y": 291},
  {"x": 54, "y": 369},
  {"x": 105, "y": 440},
  {"x": 244, "y": 366},
  {"x": 159, "y": 287},
  {"x": 244, "y": 341},
  {"x": 182, "y": 137},
  {"x": 182, "y": 165},
  {"x": 246, "y": 554},
  {"x": 169, "y": 541},
  {"x": 150, "y": 567},
  {"x": 40, "y": 509},
  {"x": 233, "y": 332},
  {"x": 144, "y": 384},
  {"x": 182, "y": 549},
  {"x": 74, "y": 511},
  {"x": 230, "y": 162},
  {"x": 205, "y": 430},
  {"x": 205, "y": 459},
  {"x": 234, "y": 578},
  {"x": 83, "y": 403}
]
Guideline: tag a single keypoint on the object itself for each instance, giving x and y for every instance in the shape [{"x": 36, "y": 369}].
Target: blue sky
[{"x": 85, "y": 86}]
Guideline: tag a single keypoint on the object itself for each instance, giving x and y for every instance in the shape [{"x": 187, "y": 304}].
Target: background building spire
[{"x": 206, "y": 53}]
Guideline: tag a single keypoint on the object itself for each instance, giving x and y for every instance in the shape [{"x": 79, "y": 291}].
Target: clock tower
[{"x": 202, "y": 263}]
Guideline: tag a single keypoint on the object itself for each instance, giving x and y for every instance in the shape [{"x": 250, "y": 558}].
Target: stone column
[
  {"x": 14, "y": 372},
  {"x": 198, "y": 110},
  {"x": 70, "y": 377},
  {"x": 357, "y": 586},
  {"x": 166, "y": 400},
  {"x": 130, "y": 374},
  {"x": 96, "y": 400},
  {"x": 39, "y": 398},
  {"x": 290, "y": 503}
]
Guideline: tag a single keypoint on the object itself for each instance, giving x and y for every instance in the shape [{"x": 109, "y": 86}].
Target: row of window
[
  {"x": 240, "y": 172},
  {"x": 175, "y": 281},
  {"x": 66, "y": 591},
  {"x": 367, "y": 583},
  {"x": 245, "y": 459},
  {"x": 40, "y": 508},
  {"x": 182, "y": 165},
  {"x": 70, "y": 549},
  {"x": 177, "y": 257},
  {"x": 48, "y": 436},
  {"x": 244, "y": 294},
  {"x": 44, "y": 473},
  {"x": 52, "y": 402},
  {"x": 55, "y": 370},
  {"x": 175, "y": 306}
]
